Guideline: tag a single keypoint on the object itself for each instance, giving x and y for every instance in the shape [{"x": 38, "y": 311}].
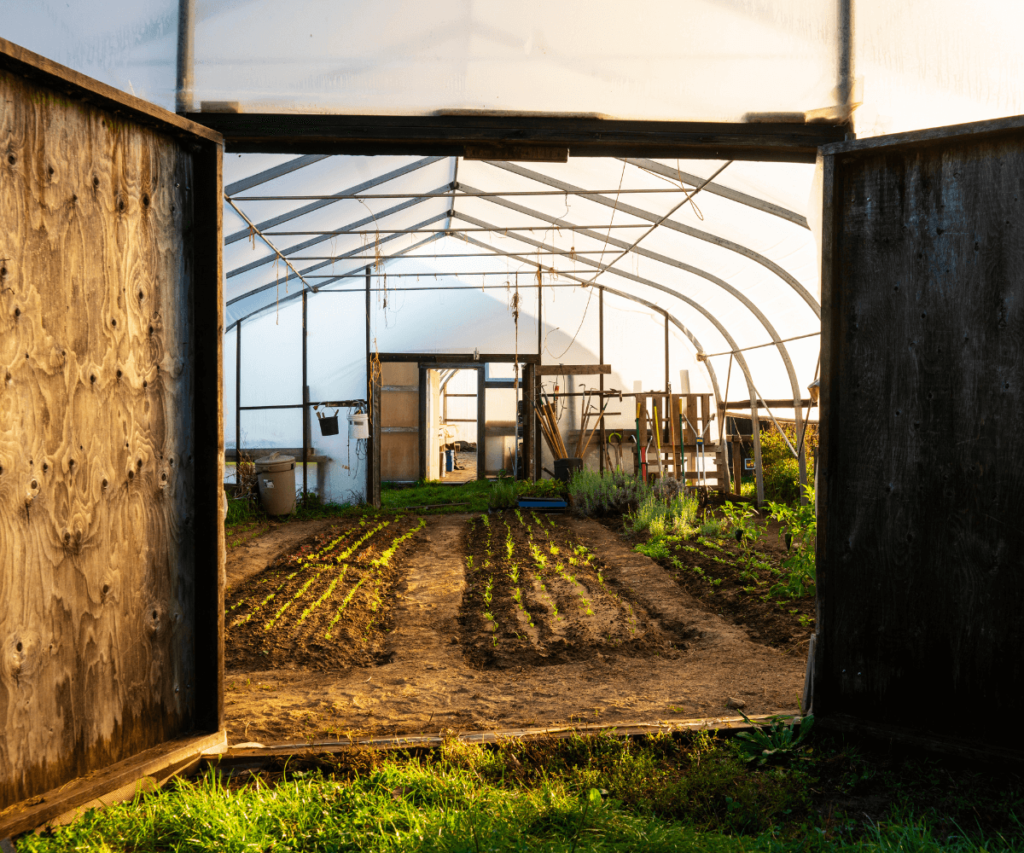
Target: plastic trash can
[{"x": 275, "y": 477}]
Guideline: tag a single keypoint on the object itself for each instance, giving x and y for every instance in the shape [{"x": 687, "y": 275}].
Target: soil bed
[
  {"x": 741, "y": 584},
  {"x": 325, "y": 606},
  {"x": 424, "y": 668},
  {"x": 536, "y": 595}
]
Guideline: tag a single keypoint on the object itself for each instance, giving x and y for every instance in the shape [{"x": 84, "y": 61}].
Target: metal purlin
[
  {"x": 734, "y": 292},
  {"x": 670, "y": 224},
  {"x": 352, "y": 226},
  {"x": 783, "y": 352},
  {"x": 295, "y": 213},
  {"x": 700, "y": 309},
  {"x": 287, "y": 278},
  {"x": 289, "y": 297}
]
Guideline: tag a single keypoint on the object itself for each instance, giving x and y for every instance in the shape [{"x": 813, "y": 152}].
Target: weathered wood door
[
  {"x": 400, "y": 452},
  {"x": 110, "y": 433},
  {"x": 921, "y": 484}
]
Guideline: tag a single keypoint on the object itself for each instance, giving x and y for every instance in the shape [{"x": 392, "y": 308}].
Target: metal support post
[
  {"x": 305, "y": 405},
  {"x": 600, "y": 360},
  {"x": 186, "y": 55},
  {"x": 238, "y": 398}
]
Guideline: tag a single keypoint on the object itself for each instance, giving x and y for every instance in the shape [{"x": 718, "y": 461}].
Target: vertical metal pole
[
  {"x": 238, "y": 398},
  {"x": 481, "y": 423},
  {"x": 668, "y": 384},
  {"x": 755, "y": 423},
  {"x": 538, "y": 455},
  {"x": 305, "y": 404},
  {"x": 369, "y": 400},
  {"x": 531, "y": 447},
  {"x": 600, "y": 360},
  {"x": 540, "y": 319},
  {"x": 186, "y": 55},
  {"x": 424, "y": 434},
  {"x": 846, "y": 62}
]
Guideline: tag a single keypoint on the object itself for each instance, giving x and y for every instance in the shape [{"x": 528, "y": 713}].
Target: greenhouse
[{"x": 674, "y": 346}]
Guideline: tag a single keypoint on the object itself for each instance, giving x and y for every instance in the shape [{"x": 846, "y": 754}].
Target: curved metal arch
[
  {"x": 291, "y": 277},
  {"x": 327, "y": 235},
  {"x": 716, "y": 189},
  {"x": 728, "y": 288},
  {"x": 317, "y": 205},
  {"x": 450, "y": 374},
  {"x": 740, "y": 360},
  {"x": 289, "y": 297},
  {"x": 670, "y": 224},
  {"x": 675, "y": 322},
  {"x": 783, "y": 352}
]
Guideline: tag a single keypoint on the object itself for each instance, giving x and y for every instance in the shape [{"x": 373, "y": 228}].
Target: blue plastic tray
[{"x": 552, "y": 504}]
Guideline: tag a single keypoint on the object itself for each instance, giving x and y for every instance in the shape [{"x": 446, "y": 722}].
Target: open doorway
[
  {"x": 453, "y": 408},
  {"x": 468, "y": 612}
]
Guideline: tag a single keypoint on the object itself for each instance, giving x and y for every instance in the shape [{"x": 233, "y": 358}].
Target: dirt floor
[
  {"x": 646, "y": 652},
  {"x": 738, "y": 584},
  {"x": 270, "y": 542}
]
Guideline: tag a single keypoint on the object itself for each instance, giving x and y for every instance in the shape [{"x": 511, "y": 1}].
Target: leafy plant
[
  {"x": 740, "y": 519},
  {"x": 713, "y": 527},
  {"x": 800, "y": 527},
  {"x": 656, "y": 549},
  {"x": 661, "y": 517},
  {"x": 781, "y": 741},
  {"x": 503, "y": 494}
]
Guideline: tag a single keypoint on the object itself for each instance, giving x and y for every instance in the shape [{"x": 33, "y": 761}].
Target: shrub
[
  {"x": 503, "y": 494},
  {"x": 660, "y": 517},
  {"x": 781, "y": 469},
  {"x": 612, "y": 493}
]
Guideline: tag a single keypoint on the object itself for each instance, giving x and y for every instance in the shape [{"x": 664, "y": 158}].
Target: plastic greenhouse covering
[{"x": 730, "y": 271}]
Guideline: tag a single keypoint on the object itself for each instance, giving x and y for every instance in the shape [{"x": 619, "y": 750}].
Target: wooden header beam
[
  {"x": 489, "y": 136},
  {"x": 573, "y": 369}
]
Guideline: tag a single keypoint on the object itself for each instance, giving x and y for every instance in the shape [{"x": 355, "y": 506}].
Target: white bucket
[{"x": 358, "y": 426}]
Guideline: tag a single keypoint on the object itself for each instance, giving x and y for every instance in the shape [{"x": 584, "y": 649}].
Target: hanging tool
[
  {"x": 597, "y": 422},
  {"x": 657, "y": 437},
  {"x": 618, "y": 448}
]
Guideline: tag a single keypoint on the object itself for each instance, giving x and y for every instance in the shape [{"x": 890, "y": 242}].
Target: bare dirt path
[
  {"x": 429, "y": 685},
  {"x": 254, "y": 556}
]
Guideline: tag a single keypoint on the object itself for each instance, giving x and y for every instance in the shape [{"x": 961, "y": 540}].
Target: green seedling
[{"x": 341, "y": 608}]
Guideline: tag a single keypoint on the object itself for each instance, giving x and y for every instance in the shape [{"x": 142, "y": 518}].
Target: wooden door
[
  {"x": 921, "y": 485},
  {"x": 111, "y": 439},
  {"x": 400, "y": 422}
]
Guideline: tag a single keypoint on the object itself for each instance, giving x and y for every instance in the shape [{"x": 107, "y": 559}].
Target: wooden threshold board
[
  {"x": 121, "y": 781},
  {"x": 251, "y": 756}
]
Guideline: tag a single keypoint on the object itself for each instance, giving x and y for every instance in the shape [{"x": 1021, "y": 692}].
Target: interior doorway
[{"x": 452, "y": 422}]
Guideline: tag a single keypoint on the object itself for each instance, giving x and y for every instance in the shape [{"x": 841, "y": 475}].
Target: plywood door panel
[
  {"x": 921, "y": 487},
  {"x": 97, "y": 345},
  {"x": 400, "y": 421}
]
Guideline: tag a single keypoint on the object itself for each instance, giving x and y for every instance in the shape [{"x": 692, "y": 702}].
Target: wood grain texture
[
  {"x": 921, "y": 537},
  {"x": 97, "y": 550}
]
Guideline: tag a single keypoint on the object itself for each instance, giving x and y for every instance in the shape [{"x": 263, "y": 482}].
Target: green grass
[
  {"x": 441, "y": 499},
  {"x": 581, "y": 794}
]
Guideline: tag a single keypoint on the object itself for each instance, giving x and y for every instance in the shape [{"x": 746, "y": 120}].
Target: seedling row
[
  {"x": 326, "y": 605},
  {"x": 537, "y": 595}
]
